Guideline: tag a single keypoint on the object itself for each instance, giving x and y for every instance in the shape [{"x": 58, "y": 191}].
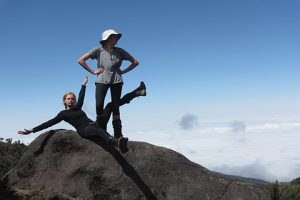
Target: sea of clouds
[{"x": 267, "y": 150}]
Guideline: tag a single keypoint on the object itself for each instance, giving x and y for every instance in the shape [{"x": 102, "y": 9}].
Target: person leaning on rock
[{"x": 74, "y": 115}]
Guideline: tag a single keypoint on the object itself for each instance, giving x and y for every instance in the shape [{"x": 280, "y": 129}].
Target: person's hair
[{"x": 65, "y": 96}]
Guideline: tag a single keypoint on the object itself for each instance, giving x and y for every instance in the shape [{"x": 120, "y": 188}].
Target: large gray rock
[{"x": 62, "y": 165}]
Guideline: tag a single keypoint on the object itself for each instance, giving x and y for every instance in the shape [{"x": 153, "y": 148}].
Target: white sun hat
[{"x": 108, "y": 33}]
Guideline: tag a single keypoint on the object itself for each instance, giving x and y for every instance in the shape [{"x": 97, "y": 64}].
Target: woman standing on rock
[
  {"x": 74, "y": 115},
  {"x": 109, "y": 75}
]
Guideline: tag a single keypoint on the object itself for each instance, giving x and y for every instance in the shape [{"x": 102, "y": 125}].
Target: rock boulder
[{"x": 60, "y": 164}]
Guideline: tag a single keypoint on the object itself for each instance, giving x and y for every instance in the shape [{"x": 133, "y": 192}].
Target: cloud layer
[
  {"x": 265, "y": 150},
  {"x": 268, "y": 150}
]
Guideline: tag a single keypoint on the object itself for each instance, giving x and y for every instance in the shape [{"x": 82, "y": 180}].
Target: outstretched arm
[
  {"x": 82, "y": 92},
  {"x": 45, "y": 125}
]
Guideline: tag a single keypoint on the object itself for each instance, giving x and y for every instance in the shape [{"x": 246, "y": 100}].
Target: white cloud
[
  {"x": 266, "y": 150},
  {"x": 274, "y": 126}
]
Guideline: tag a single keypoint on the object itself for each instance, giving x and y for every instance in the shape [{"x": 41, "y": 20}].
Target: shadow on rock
[{"x": 127, "y": 168}]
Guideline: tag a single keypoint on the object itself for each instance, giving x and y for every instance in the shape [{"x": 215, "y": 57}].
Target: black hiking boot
[{"x": 141, "y": 90}]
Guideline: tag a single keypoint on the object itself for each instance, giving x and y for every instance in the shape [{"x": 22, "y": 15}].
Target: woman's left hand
[{"x": 119, "y": 71}]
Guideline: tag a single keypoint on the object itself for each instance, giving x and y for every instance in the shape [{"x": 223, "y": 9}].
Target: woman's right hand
[
  {"x": 25, "y": 132},
  {"x": 99, "y": 70}
]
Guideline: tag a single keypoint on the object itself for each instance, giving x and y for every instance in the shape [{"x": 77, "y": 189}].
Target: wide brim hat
[{"x": 107, "y": 33}]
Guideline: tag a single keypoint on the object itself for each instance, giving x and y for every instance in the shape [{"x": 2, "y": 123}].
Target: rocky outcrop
[{"x": 62, "y": 165}]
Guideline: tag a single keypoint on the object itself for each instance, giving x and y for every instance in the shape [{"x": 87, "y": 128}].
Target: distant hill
[{"x": 245, "y": 179}]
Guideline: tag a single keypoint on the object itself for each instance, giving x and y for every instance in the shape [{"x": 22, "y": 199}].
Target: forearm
[
  {"x": 86, "y": 67},
  {"x": 82, "y": 62},
  {"x": 130, "y": 67},
  {"x": 81, "y": 96},
  {"x": 45, "y": 125},
  {"x": 39, "y": 128},
  {"x": 134, "y": 63}
]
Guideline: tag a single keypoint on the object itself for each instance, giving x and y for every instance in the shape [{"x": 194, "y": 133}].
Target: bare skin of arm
[
  {"x": 134, "y": 63},
  {"x": 82, "y": 61}
]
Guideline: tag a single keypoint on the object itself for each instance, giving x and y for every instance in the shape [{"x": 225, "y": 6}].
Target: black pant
[
  {"x": 109, "y": 107},
  {"x": 101, "y": 90},
  {"x": 94, "y": 131}
]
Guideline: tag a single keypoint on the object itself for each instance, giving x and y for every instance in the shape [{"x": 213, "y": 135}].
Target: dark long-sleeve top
[{"x": 74, "y": 116}]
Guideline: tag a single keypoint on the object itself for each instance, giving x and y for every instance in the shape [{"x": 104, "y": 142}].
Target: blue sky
[{"x": 215, "y": 63}]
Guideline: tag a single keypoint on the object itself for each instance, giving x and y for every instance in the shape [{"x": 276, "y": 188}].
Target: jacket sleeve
[
  {"x": 81, "y": 97},
  {"x": 47, "y": 124}
]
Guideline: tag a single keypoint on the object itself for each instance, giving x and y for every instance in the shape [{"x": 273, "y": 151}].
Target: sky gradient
[{"x": 222, "y": 76}]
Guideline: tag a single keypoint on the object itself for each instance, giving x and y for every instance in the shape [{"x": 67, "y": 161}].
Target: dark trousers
[
  {"x": 101, "y": 91},
  {"x": 94, "y": 131},
  {"x": 124, "y": 100}
]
